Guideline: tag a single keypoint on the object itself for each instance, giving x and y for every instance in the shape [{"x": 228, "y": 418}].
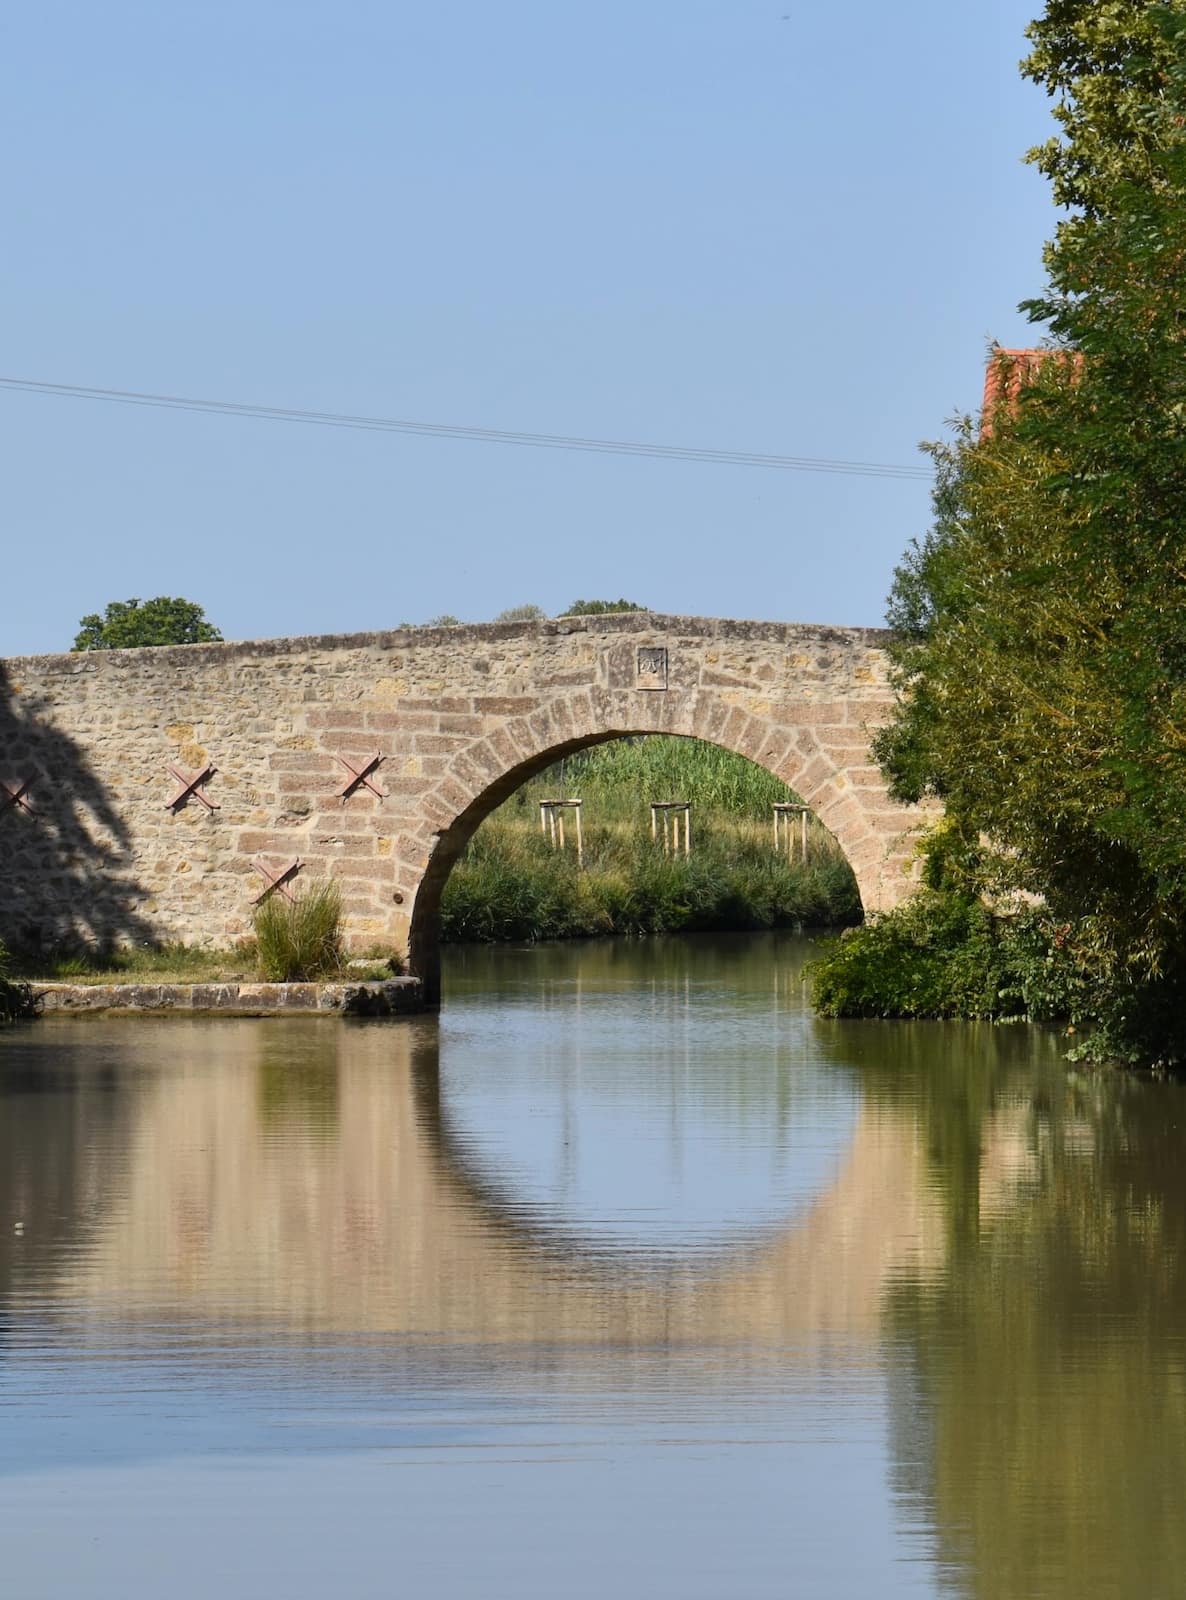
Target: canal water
[{"x": 626, "y": 1277}]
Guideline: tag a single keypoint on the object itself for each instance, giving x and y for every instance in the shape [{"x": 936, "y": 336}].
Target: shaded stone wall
[{"x": 460, "y": 717}]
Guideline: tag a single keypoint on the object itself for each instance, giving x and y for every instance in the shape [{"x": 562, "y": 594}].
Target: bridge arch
[{"x": 791, "y": 744}]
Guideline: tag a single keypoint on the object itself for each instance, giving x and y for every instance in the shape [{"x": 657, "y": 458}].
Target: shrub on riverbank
[
  {"x": 945, "y": 954},
  {"x": 16, "y": 998}
]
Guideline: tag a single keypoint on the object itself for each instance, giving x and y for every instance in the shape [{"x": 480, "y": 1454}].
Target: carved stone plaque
[{"x": 652, "y": 666}]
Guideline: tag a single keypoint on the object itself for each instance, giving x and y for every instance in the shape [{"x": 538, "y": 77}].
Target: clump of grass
[{"x": 299, "y": 940}]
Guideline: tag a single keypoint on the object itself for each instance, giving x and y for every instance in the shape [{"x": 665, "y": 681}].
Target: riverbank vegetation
[
  {"x": 300, "y": 940},
  {"x": 512, "y": 883},
  {"x": 1040, "y": 629},
  {"x": 946, "y": 953},
  {"x": 294, "y": 941},
  {"x": 16, "y": 997}
]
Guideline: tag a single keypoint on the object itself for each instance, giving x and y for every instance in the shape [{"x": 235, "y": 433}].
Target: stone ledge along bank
[{"x": 159, "y": 794}]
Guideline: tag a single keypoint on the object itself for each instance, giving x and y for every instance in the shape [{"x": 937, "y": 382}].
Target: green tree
[
  {"x": 599, "y": 608},
  {"x": 1040, "y": 657},
  {"x": 127, "y": 624}
]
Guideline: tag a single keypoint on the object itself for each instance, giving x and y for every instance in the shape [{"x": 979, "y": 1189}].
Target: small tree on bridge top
[
  {"x": 600, "y": 608},
  {"x": 128, "y": 624}
]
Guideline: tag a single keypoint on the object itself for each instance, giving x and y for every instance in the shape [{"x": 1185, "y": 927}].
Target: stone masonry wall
[{"x": 460, "y": 716}]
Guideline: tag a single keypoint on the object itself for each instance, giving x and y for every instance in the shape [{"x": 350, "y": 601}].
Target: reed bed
[{"x": 512, "y": 885}]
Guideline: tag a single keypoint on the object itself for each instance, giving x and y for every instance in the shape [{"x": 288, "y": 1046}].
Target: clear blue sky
[{"x": 757, "y": 226}]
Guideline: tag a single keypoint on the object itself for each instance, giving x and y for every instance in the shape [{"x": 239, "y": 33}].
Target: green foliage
[
  {"x": 600, "y": 608},
  {"x": 1114, "y": 69},
  {"x": 128, "y": 624},
  {"x": 525, "y": 613},
  {"x": 934, "y": 957},
  {"x": 944, "y": 954},
  {"x": 299, "y": 940},
  {"x": 511, "y": 885},
  {"x": 1040, "y": 657},
  {"x": 168, "y": 962},
  {"x": 16, "y": 998},
  {"x": 622, "y": 775}
]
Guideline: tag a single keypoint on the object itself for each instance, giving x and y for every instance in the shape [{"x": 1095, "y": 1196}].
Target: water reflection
[
  {"x": 401, "y": 1181},
  {"x": 634, "y": 1194}
]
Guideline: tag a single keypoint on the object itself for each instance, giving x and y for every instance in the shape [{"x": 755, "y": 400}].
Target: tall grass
[
  {"x": 300, "y": 939},
  {"x": 616, "y": 777},
  {"x": 512, "y": 885}
]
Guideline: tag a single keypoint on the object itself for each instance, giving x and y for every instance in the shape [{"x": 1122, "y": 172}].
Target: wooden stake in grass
[
  {"x": 551, "y": 824},
  {"x": 784, "y": 836},
  {"x": 668, "y": 813}
]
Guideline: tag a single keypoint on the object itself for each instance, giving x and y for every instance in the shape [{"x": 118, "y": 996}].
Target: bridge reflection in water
[{"x": 319, "y": 1178}]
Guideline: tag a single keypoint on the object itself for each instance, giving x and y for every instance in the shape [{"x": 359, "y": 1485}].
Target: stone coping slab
[{"x": 390, "y": 997}]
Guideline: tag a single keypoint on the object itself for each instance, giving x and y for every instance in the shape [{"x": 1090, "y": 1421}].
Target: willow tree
[{"x": 1041, "y": 650}]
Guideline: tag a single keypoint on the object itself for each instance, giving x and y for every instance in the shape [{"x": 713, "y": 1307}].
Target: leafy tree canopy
[
  {"x": 127, "y": 624},
  {"x": 1040, "y": 656},
  {"x": 599, "y": 608}
]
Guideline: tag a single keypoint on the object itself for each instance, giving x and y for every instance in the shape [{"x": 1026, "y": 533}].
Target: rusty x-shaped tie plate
[
  {"x": 276, "y": 880},
  {"x": 14, "y": 792},
  {"x": 191, "y": 786},
  {"x": 360, "y": 776}
]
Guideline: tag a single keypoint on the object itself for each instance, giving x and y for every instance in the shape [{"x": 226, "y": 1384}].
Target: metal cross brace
[
  {"x": 276, "y": 880},
  {"x": 191, "y": 786},
  {"x": 361, "y": 776},
  {"x": 15, "y": 792}
]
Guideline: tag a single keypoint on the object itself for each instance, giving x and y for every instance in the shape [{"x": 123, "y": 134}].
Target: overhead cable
[{"x": 445, "y": 430}]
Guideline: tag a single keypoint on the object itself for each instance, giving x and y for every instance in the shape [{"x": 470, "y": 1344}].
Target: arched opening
[{"x": 791, "y": 868}]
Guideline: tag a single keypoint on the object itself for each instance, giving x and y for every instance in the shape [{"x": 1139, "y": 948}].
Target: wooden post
[
  {"x": 784, "y": 833},
  {"x": 551, "y": 814},
  {"x": 669, "y": 812}
]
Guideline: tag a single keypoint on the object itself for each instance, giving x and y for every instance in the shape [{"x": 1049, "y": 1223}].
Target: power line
[{"x": 444, "y": 430}]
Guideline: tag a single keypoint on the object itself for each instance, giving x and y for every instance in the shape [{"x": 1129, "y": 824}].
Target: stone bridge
[{"x": 156, "y": 793}]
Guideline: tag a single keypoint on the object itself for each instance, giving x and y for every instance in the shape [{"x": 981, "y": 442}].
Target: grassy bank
[{"x": 512, "y": 884}]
